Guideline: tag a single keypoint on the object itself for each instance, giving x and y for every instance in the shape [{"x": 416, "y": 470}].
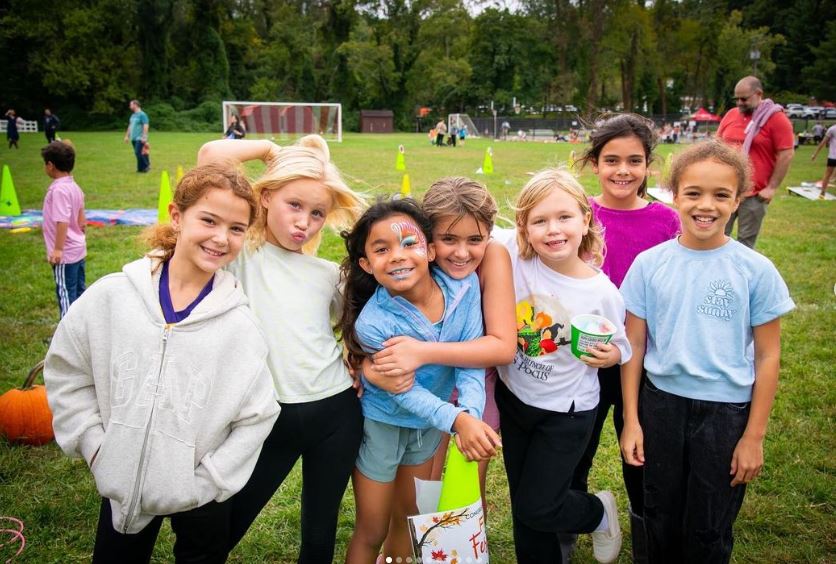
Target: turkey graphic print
[{"x": 542, "y": 328}]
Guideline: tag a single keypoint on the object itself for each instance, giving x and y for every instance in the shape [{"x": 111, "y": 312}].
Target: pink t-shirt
[
  {"x": 63, "y": 201},
  {"x": 630, "y": 232}
]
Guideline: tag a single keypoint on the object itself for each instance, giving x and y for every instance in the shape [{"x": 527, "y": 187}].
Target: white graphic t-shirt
[{"x": 545, "y": 373}]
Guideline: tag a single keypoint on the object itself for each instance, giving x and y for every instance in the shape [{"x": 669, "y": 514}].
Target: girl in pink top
[{"x": 621, "y": 150}]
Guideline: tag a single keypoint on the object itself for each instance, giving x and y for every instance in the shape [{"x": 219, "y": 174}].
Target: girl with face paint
[{"x": 391, "y": 290}]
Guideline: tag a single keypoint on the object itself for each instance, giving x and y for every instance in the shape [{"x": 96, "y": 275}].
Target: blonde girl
[
  {"x": 547, "y": 398},
  {"x": 704, "y": 319},
  {"x": 157, "y": 377},
  {"x": 296, "y": 296}
]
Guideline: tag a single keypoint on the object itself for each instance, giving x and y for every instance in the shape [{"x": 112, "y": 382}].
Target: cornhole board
[
  {"x": 662, "y": 194},
  {"x": 810, "y": 191}
]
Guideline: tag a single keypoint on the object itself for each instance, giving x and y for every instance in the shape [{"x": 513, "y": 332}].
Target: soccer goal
[
  {"x": 462, "y": 120},
  {"x": 287, "y": 120}
]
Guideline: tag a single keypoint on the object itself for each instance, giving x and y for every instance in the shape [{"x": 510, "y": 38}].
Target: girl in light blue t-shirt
[{"x": 703, "y": 318}]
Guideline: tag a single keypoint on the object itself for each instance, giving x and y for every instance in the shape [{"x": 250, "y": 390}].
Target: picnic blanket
[{"x": 96, "y": 218}]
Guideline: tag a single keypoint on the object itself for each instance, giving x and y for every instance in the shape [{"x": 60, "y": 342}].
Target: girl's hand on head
[
  {"x": 632, "y": 444},
  {"x": 604, "y": 355},
  {"x": 272, "y": 154},
  {"x": 747, "y": 460},
  {"x": 475, "y": 438},
  {"x": 399, "y": 356},
  {"x": 395, "y": 384}
]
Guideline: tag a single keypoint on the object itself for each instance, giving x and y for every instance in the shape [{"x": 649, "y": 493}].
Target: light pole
[{"x": 754, "y": 55}]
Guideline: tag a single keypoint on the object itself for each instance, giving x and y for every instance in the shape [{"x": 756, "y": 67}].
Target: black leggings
[
  {"x": 326, "y": 434},
  {"x": 541, "y": 449},
  {"x": 610, "y": 380},
  {"x": 200, "y": 537}
]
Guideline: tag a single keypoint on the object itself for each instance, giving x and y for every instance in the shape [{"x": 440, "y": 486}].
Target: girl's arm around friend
[{"x": 393, "y": 367}]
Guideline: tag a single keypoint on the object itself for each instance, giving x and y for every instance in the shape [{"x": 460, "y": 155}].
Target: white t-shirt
[
  {"x": 296, "y": 297},
  {"x": 545, "y": 373},
  {"x": 831, "y": 144}
]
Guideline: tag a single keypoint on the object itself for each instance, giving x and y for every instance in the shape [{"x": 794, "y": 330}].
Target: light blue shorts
[{"x": 385, "y": 447}]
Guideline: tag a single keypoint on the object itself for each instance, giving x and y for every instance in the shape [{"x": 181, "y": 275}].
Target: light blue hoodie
[{"x": 425, "y": 405}]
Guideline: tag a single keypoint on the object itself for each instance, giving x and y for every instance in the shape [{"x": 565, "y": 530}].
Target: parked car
[
  {"x": 800, "y": 111},
  {"x": 829, "y": 113},
  {"x": 817, "y": 110}
]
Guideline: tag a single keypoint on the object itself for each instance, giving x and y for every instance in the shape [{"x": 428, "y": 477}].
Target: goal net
[
  {"x": 287, "y": 120},
  {"x": 460, "y": 121}
]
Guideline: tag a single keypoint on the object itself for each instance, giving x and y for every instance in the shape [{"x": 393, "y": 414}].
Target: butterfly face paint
[
  {"x": 397, "y": 254},
  {"x": 410, "y": 236}
]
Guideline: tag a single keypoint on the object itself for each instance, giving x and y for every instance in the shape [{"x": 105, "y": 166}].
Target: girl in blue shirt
[
  {"x": 703, "y": 318},
  {"x": 391, "y": 290}
]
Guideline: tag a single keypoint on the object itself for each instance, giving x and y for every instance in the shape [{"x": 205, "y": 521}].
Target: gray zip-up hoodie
[{"x": 169, "y": 417}]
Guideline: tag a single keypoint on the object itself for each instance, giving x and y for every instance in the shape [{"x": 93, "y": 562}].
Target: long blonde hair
[
  {"x": 536, "y": 190},
  {"x": 310, "y": 159}
]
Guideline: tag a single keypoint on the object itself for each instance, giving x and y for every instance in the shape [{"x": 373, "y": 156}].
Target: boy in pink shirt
[{"x": 64, "y": 223}]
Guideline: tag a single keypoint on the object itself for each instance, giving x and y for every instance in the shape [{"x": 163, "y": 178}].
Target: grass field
[{"x": 788, "y": 512}]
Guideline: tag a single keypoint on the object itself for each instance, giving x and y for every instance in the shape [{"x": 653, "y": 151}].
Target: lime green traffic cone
[
  {"x": 487, "y": 164},
  {"x": 460, "y": 484},
  {"x": 164, "y": 199},
  {"x": 8, "y": 197}
]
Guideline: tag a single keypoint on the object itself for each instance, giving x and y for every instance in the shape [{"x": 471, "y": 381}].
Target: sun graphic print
[
  {"x": 718, "y": 301},
  {"x": 542, "y": 326},
  {"x": 721, "y": 289}
]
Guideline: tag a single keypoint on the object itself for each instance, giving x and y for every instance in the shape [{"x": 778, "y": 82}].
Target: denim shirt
[{"x": 425, "y": 405}]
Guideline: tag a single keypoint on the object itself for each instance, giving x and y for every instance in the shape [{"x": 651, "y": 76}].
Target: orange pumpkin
[{"x": 24, "y": 413}]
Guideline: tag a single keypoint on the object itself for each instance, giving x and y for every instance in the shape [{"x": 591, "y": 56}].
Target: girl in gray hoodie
[{"x": 158, "y": 378}]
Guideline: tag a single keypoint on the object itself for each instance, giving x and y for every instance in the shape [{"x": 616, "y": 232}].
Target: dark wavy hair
[
  {"x": 616, "y": 126},
  {"x": 359, "y": 284}
]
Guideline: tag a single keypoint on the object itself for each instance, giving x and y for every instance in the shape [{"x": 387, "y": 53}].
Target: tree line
[{"x": 87, "y": 59}]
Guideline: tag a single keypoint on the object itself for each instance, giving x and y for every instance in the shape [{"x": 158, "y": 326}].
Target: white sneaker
[{"x": 607, "y": 544}]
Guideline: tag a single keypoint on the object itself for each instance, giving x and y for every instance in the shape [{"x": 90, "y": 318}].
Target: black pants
[
  {"x": 541, "y": 450},
  {"x": 201, "y": 537},
  {"x": 326, "y": 434},
  {"x": 689, "y": 504},
  {"x": 610, "y": 381}
]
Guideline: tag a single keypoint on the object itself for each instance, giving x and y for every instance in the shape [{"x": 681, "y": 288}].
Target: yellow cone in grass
[
  {"x": 164, "y": 199},
  {"x": 460, "y": 484},
  {"x": 406, "y": 188}
]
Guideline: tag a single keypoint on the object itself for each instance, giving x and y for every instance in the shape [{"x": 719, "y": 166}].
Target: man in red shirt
[{"x": 765, "y": 134}]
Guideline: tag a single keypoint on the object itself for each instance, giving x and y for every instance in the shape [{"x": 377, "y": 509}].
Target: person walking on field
[
  {"x": 51, "y": 124},
  {"x": 765, "y": 134},
  {"x": 137, "y": 134},
  {"x": 12, "y": 133},
  {"x": 829, "y": 141}
]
